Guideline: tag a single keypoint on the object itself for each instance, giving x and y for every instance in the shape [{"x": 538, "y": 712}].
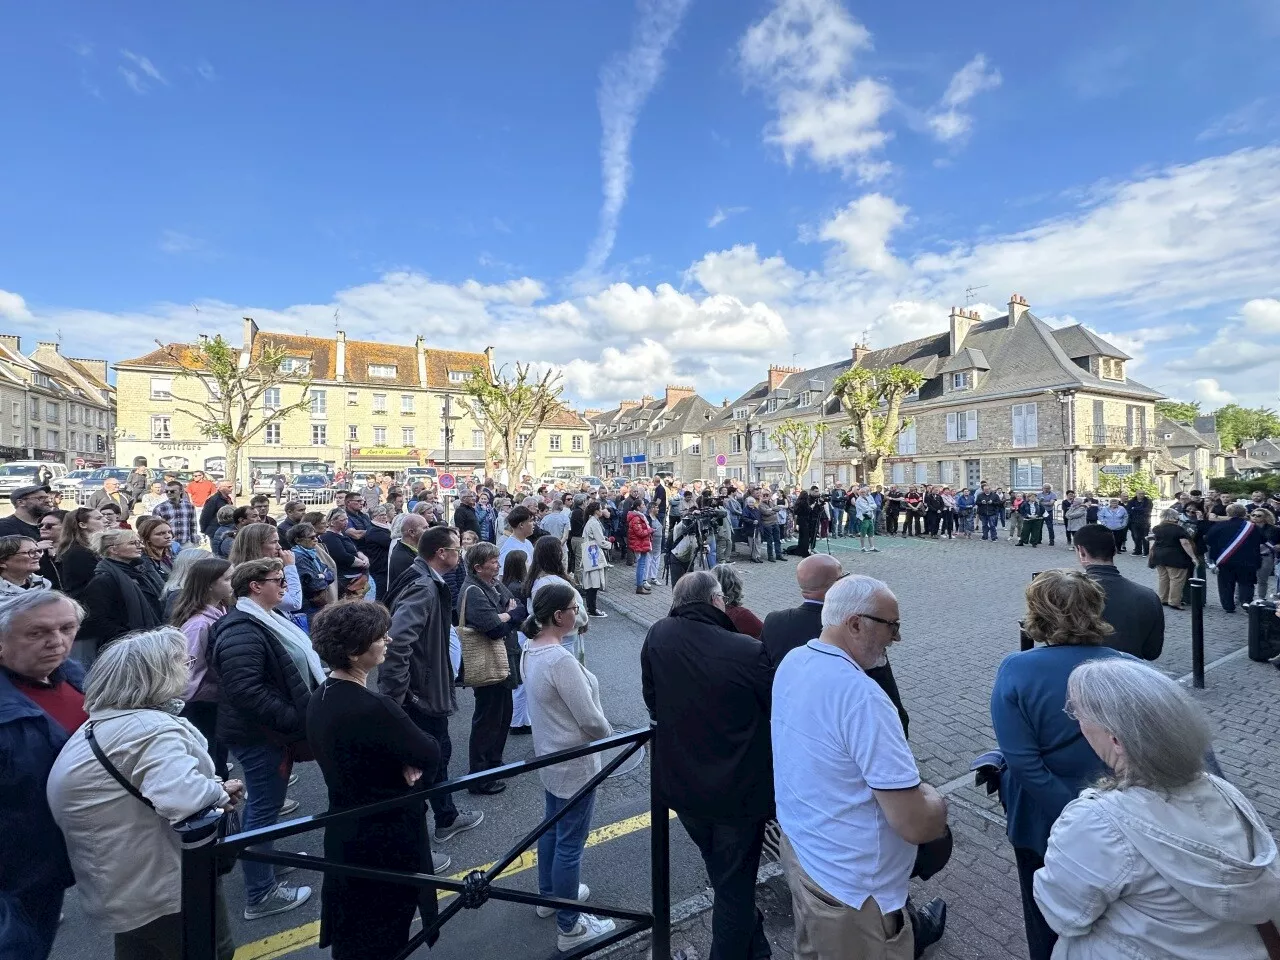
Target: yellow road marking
[{"x": 308, "y": 934}]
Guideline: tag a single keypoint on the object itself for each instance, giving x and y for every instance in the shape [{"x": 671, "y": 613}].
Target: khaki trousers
[
  {"x": 827, "y": 929},
  {"x": 1169, "y": 584}
]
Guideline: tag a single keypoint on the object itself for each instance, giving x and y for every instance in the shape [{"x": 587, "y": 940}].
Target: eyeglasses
[
  {"x": 33, "y": 554},
  {"x": 1070, "y": 710},
  {"x": 894, "y": 625},
  {"x": 270, "y": 580}
]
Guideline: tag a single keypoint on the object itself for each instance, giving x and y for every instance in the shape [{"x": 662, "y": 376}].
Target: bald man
[
  {"x": 405, "y": 550},
  {"x": 784, "y": 630}
]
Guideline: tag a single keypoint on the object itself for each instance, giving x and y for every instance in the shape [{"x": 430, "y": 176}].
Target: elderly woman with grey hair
[
  {"x": 376, "y": 545},
  {"x": 743, "y": 619},
  {"x": 124, "y": 852},
  {"x": 123, "y": 595},
  {"x": 1162, "y": 859}
]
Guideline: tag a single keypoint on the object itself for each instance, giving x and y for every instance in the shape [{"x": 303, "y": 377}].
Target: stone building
[
  {"x": 54, "y": 408},
  {"x": 642, "y": 438}
]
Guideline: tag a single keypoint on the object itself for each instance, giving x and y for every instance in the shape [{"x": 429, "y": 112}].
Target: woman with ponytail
[{"x": 564, "y": 707}]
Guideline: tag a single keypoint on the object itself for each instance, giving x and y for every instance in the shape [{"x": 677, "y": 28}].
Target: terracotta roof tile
[{"x": 441, "y": 362}]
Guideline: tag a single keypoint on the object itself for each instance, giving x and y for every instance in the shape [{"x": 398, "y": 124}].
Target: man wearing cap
[{"x": 29, "y": 505}]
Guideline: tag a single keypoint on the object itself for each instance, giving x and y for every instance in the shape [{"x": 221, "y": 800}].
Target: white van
[{"x": 23, "y": 473}]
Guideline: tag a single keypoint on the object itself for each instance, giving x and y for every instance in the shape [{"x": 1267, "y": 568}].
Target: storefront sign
[
  {"x": 180, "y": 447},
  {"x": 52, "y": 455},
  {"x": 385, "y": 453},
  {"x": 637, "y": 458}
]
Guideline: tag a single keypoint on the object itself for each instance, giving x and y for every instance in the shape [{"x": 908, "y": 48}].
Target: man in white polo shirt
[{"x": 850, "y": 800}]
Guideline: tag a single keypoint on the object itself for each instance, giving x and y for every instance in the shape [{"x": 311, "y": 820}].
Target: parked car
[
  {"x": 67, "y": 485},
  {"x": 311, "y": 488},
  {"x": 593, "y": 481},
  {"x": 23, "y": 473},
  {"x": 93, "y": 482}
]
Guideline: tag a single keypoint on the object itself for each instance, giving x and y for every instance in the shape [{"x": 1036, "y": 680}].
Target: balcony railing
[{"x": 1123, "y": 437}]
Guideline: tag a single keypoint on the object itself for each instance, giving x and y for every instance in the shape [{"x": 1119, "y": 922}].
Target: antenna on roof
[
  {"x": 866, "y": 336},
  {"x": 969, "y": 292}
]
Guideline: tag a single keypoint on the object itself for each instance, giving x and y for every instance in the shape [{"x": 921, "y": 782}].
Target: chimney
[
  {"x": 420, "y": 348},
  {"x": 628, "y": 404},
  {"x": 340, "y": 360},
  {"x": 961, "y": 321},
  {"x": 724, "y": 403},
  {"x": 45, "y": 343},
  {"x": 250, "y": 334},
  {"x": 1017, "y": 307},
  {"x": 12, "y": 342},
  {"x": 676, "y": 394},
  {"x": 488, "y": 359},
  {"x": 860, "y": 352},
  {"x": 778, "y": 374},
  {"x": 96, "y": 367}
]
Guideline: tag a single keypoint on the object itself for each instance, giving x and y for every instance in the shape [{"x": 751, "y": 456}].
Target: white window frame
[
  {"x": 406, "y": 403},
  {"x": 353, "y": 432},
  {"x": 15, "y": 413},
  {"x": 477, "y": 439},
  {"x": 272, "y": 435},
  {"x": 575, "y": 443},
  {"x": 379, "y": 403},
  {"x": 907, "y": 440},
  {"x": 319, "y": 435},
  {"x": 379, "y": 436},
  {"x": 459, "y": 376},
  {"x": 52, "y": 439},
  {"x": 741, "y": 413},
  {"x": 1033, "y": 478},
  {"x": 1025, "y": 426},
  {"x": 161, "y": 427},
  {"x": 898, "y": 474},
  {"x": 383, "y": 371},
  {"x": 353, "y": 398},
  {"x": 962, "y": 426},
  {"x": 162, "y": 388},
  {"x": 319, "y": 403},
  {"x": 735, "y": 443},
  {"x": 553, "y": 442},
  {"x": 271, "y": 398},
  {"x": 695, "y": 448},
  {"x": 962, "y": 380},
  {"x": 407, "y": 435},
  {"x": 922, "y": 472}
]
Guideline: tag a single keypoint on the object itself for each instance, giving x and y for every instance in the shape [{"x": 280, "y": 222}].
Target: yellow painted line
[{"x": 308, "y": 934}]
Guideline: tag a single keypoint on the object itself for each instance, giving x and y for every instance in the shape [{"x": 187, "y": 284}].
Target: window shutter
[
  {"x": 1019, "y": 426},
  {"x": 971, "y": 433},
  {"x": 951, "y": 427},
  {"x": 1032, "y": 425}
]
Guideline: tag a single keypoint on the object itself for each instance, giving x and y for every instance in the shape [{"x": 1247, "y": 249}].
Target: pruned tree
[
  {"x": 231, "y": 406},
  {"x": 872, "y": 399},
  {"x": 505, "y": 406},
  {"x": 797, "y": 439}
]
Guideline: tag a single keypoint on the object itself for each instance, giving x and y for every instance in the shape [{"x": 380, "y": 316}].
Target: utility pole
[{"x": 448, "y": 418}]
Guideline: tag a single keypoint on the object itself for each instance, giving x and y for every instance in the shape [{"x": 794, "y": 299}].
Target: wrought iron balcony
[{"x": 1123, "y": 438}]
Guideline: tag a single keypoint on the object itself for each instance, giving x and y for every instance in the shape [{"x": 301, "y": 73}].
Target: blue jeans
[
  {"x": 772, "y": 536},
  {"x": 837, "y": 521},
  {"x": 560, "y": 855},
  {"x": 989, "y": 527},
  {"x": 266, "y": 778},
  {"x": 642, "y": 569}
]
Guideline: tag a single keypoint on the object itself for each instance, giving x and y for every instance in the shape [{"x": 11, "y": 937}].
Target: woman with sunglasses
[
  {"x": 564, "y": 705},
  {"x": 1048, "y": 760},
  {"x": 19, "y": 566}
]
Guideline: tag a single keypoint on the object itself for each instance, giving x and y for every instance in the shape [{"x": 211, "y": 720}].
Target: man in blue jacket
[
  {"x": 41, "y": 705},
  {"x": 1235, "y": 554}
]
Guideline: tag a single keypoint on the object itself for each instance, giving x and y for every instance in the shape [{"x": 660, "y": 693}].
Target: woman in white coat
[
  {"x": 1164, "y": 859},
  {"x": 594, "y": 558},
  {"x": 123, "y": 849}
]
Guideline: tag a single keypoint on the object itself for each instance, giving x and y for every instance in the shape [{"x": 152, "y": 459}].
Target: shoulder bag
[
  {"x": 484, "y": 661},
  {"x": 228, "y": 822}
]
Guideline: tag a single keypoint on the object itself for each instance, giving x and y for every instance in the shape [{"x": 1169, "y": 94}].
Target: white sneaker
[
  {"x": 281, "y": 899},
  {"x": 583, "y": 892},
  {"x": 587, "y": 928},
  {"x": 873, "y": 550}
]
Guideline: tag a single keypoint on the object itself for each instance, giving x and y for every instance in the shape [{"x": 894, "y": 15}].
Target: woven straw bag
[{"x": 484, "y": 661}]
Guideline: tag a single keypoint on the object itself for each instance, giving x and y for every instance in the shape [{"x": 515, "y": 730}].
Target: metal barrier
[{"x": 200, "y": 861}]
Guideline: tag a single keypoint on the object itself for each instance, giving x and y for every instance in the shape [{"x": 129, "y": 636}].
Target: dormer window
[
  {"x": 741, "y": 413},
  {"x": 771, "y": 405},
  {"x": 382, "y": 371},
  {"x": 294, "y": 365},
  {"x": 962, "y": 381},
  {"x": 1111, "y": 368}
]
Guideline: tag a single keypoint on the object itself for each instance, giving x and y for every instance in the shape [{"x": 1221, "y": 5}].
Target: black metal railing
[
  {"x": 200, "y": 861},
  {"x": 1122, "y": 437}
]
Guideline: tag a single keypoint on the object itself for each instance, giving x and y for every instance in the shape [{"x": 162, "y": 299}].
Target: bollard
[
  {"x": 199, "y": 888},
  {"x": 660, "y": 864},
  {"x": 1197, "y": 632}
]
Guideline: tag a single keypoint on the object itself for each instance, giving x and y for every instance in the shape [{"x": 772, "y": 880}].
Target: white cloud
[
  {"x": 206, "y": 71},
  {"x": 620, "y": 373},
  {"x": 1261, "y": 316},
  {"x": 1253, "y": 117},
  {"x": 524, "y": 291},
  {"x": 141, "y": 74},
  {"x": 13, "y": 307},
  {"x": 802, "y": 54},
  {"x": 741, "y": 272},
  {"x": 1210, "y": 393},
  {"x": 948, "y": 120},
  {"x": 724, "y": 213},
  {"x": 863, "y": 229},
  {"x": 625, "y": 84}
]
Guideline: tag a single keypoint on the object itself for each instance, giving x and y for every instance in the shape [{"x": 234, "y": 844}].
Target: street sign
[
  {"x": 721, "y": 460},
  {"x": 720, "y": 472},
  {"x": 79, "y": 462},
  {"x": 1117, "y": 469},
  {"x": 447, "y": 481}
]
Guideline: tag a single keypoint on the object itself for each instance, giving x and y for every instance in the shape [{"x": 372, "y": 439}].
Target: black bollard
[{"x": 1197, "y": 633}]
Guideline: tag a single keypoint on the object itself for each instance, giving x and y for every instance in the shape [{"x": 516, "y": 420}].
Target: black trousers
[
  {"x": 203, "y": 715},
  {"x": 1235, "y": 586},
  {"x": 805, "y": 531},
  {"x": 589, "y": 595},
  {"x": 1120, "y": 541},
  {"x": 891, "y": 522},
  {"x": 931, "y": 522},
  {"x": 731, "y": 852},
  {"x": 1139, "y": 529},
  {"x": 1040, "y": 936},
  {"x": 445, "y": 810},
  {"x": 1048, "y": 525},
  {"x": 948, "y": 523},
  {"x": 490, "y": 722}
]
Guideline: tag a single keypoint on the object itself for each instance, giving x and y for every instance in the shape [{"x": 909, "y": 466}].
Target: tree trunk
[{"x": 233, "y": 466}]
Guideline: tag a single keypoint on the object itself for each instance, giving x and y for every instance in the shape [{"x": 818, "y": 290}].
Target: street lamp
[
  {"x": 1068, "y": 437},
  {"x": 448, "y": 418},
  {"x": 747, "y": 432}
]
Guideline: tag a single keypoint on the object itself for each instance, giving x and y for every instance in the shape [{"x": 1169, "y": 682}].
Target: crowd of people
[{"x": 143, "y": 657}]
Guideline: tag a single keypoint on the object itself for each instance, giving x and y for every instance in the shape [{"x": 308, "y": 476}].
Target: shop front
[
  {"x": 383, "y": 459},
  {"x": 166, "y": 455}
]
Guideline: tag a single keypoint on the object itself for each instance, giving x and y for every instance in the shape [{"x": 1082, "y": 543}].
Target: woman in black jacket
[
  {"x": 266, "y": 670},
  {"x": 1173, "y": 554},
  {"x": 76, "y": 559},
  {"x": 806, "y": 524},
  {"x": 485, "y": 604},
  {"x": 368, "y": 750},
  {"x": 124, "y": 593}
]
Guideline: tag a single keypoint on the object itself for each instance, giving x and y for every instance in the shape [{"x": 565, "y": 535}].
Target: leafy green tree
[
  {"x": 864, "y": 394},
  {"x": 506, "y": 406},
  {"x": 232, "y": 406},
  {"x": 797, "y": 440},
  {"x": 1237, "y": 423},
  {"x": 1109, "y": 486},
  {"x": 1178, "y": 410}
]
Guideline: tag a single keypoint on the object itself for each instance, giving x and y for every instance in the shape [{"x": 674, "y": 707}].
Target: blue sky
[{"x": 648, "y": 192}]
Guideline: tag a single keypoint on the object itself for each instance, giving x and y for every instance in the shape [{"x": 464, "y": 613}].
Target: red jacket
[{"x": 639, "y": 533}]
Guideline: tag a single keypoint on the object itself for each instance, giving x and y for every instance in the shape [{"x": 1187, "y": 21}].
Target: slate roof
[
  {"x": 1182, "y": 435},
  {"x": 689, "y": 415},
  {"x": 967, "y": 358},
  {"x": 1078, "y": 341},
  {"x": 1267, "y": 451}
]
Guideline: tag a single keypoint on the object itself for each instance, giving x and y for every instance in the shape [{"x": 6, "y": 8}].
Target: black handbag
[{"x": 228, "y": 820}]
